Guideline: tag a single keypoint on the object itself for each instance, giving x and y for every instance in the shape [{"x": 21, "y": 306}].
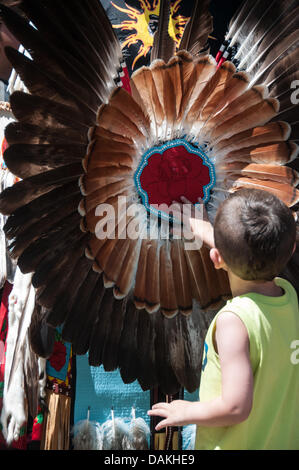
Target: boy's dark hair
[{"x": 255, "y": 234}]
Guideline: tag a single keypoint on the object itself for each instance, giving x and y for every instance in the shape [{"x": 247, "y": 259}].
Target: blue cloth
[{"x": 102, "y": 390}]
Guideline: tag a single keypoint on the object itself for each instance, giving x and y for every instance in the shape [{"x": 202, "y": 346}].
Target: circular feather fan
[{"x": 99, "y": 162}]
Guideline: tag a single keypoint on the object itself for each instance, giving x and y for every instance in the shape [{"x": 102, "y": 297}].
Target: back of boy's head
[{"x": 255, "y": 234}]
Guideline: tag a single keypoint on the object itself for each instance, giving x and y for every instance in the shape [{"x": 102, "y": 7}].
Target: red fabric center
[{"x": 173, "y": 174}]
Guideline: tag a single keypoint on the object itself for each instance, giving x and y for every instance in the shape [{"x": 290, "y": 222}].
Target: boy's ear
[
  {"x": 217, "y": 259},
  {"x": 294, "y": 249}
]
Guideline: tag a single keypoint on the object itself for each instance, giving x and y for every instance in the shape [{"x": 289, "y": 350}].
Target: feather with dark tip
[
  {"x": 128, "y": 357},
  {"x": 90, "y": 43},
  {"x": 25, "y": 160},
  {"x": 50, "y": 222},
  {"x": 23, "y": 133},
  {"x": 70, "y": 282},
  {"x": 97, "y": 340},
  {"x": 25, "y": 191},
  {"x": 25, "y": 216},
  {"x": 181, "y": 277},
  {"x": 256, "y": 115},
  {"x": 152, "y": 293},
  {"x": 251, "y": 97},
  {"x": 49, "y": 55},
  {"x": 167, "y": 380},
  {"x": 264, "y": 25},
  {"x": 49, "y": 292},
  {"x": 41, "y": 335},
  {"x": 270, "y": 133},
  {"x": 87, "y": 299},
  {"x": 198, "y": 28},
  {"x": 277, "y": 154},
  {"x": 163, "y": 45},
  {"x": 113, "y": 334},
  {"x": 43, "y": 112},
  {"x": 34, "y": 253},
  {"x": 288, "y": 194},
  {"x": 49, "y": 85},
  {"x": 169, "y": 305},
  {"x": 146, "y": 345},
  {"x": 197, "y": 277},
  {"x": 278, "y": 173},
  {"x": 211, "y": 88}
]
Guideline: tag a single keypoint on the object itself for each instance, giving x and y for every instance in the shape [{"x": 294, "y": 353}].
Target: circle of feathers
[{"x": 141, "y": 305}]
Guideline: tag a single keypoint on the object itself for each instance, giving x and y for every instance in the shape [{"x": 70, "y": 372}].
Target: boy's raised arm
[
  {"x": 197, "y": 222},
  {"x": 234, "y": 404}
]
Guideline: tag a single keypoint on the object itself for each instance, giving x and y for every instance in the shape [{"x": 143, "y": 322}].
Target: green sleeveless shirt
[{"x": 273, "y": 330}]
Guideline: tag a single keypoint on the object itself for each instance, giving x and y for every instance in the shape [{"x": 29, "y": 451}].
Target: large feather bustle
[{"x": 224, "y": 110}]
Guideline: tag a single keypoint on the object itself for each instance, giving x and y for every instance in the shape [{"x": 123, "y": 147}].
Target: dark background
[{"x": 221, "y": 10}]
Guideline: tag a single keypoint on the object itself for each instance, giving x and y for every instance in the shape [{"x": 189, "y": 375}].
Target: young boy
[{"x": 249, "y": 390}]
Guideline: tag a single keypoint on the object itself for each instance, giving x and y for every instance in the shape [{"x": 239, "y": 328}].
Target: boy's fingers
[
  {"x": 161, "y": 413},
  {"x": 162, "y": 404},
  {"x": 162, "y": 424}
]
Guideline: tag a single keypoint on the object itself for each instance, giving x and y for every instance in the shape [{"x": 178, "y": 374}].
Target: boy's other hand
[{"x": 173, "y": 413}]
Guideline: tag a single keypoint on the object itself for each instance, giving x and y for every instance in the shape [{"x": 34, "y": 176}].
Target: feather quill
[{"x": 163, "y": 45}]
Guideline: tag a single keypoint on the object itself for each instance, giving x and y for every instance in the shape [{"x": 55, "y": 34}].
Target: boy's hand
[
  {"x": 173, "y": 413},
  {"x": 197, "y": 223}
]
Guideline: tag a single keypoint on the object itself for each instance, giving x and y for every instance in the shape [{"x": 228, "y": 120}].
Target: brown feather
[
  {"x": 279, "y": 173},
  {"x": 101, "y": 150},
  {"x": 98, "y": 245},
  {"x": 257, "y": 115},
  {"x": 199, "y": 286},
  {"x": 278, "y": 154},
  {"x": 100, "y": 133},
  {"x": 113, "y": 120},
  {"x": 174, "y": 70},
  {"x": 195, "y": 75},
  {"x": 112, "y": 259},
  {"x": 112, "y": 253},
  {"x": 165, "y": 90},
  {"x": 248, "y": 99},
  {"x": 230, "y": 91},
  {"x": 145, "y": 94},
  {"x": 120, "y": 188},
  {"x": 127, "y": 274},
  {"x": 181, "y": 277},
  {"x": 140, "y": 289},
  {"x": 212, "y": 86},
  {"x": 101, "y": 177},
  {"x": 163, "y": 44},
  {"x": 23, "y": 133},
  {"x": 116, "y": 203},
  {"x": 169, "y": 306},
  {"x": 37, "y": 111},
  {"x": 270, "y": 133},
  {"x": 25, "y": 160},
  {"x": 153, "y": 277},
  {"x": 27, "y": 190},
  {"x": 212, "y": 281},
  {"x": 123, "y": 101},
  {"x": 198, "y": 28},
  {"x": 288, "y": 194}
]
